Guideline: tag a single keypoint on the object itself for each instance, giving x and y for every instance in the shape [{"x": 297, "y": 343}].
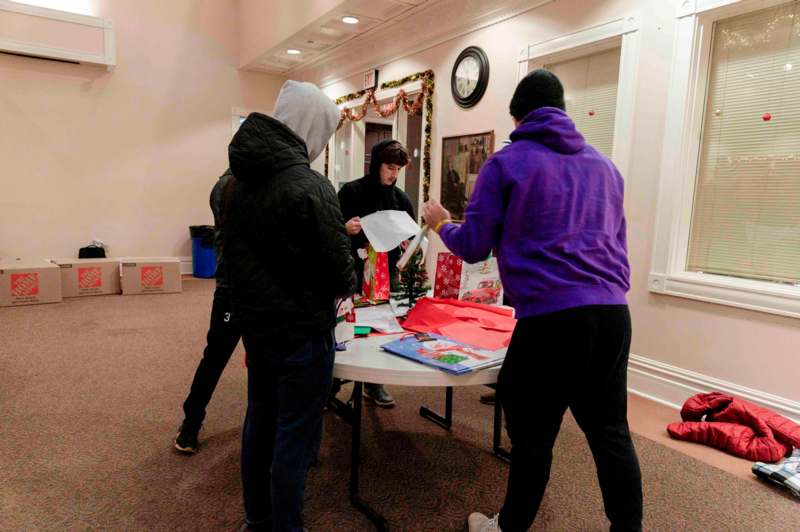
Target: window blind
[
  {"x": 746, "y": 209},
  {"x": 590, "y": 91}
]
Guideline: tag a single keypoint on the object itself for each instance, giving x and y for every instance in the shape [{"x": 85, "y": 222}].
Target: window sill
[{"x": 760, "y": 296}]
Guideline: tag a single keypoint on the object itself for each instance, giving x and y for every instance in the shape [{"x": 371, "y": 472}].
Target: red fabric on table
[
  {"x": 484, "y": 326},
  {"x": 468, "y": 333}
]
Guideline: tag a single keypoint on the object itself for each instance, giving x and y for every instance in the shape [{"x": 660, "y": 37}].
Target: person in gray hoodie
[{"x": 287, "y": 256}]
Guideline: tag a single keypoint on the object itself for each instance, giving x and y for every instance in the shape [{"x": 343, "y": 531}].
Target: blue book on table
[{"x": 443, "y": 353}]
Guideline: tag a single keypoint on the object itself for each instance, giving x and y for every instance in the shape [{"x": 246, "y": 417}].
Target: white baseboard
[
  {"x": 671, "y": 386},
  {"x": 186, "y": 265}
]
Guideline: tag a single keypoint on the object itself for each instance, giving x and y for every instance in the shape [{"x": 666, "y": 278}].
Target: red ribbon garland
[{"x": 411, "y": 107}]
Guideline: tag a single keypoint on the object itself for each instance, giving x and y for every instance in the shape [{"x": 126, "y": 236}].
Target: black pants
[
  {"x": 223, "y": 336},
  {"x": 286, "y": 392},
  {"x": 574, "y": 359}
]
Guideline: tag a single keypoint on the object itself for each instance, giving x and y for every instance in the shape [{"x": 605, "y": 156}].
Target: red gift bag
[
  {"x": 376, "y": 275},
  {"x": 448, "y": 276}
]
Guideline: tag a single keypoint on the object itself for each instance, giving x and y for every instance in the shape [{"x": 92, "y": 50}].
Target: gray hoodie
[{"x": 307, "y": 111}]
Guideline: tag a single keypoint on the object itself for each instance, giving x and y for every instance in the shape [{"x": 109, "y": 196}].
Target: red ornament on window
[
  {"x": 766, "y": 117},
  {"x": 591, "y": 113}
]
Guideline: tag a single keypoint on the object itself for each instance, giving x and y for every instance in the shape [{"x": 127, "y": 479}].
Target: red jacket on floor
[{"x": 736, "y": 426}]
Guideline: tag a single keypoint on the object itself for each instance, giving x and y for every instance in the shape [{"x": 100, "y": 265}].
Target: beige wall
[
  {"x": 743, "y": 347},
  {"x": 128, "y": 156}
]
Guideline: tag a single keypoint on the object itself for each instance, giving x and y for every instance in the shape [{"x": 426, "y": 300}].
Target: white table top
[{"x": 365, "y": 361}]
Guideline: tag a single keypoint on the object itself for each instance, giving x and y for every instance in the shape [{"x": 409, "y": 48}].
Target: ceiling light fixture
[
  {"x": 293, "y": 51},
  {"x": 350, "y": 20}
]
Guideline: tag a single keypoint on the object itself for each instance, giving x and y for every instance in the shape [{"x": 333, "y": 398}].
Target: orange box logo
[
  {"x": 24, "y": 284},
  {"x": 153, "y": 276},
  {"x": 90, "y": 278}
]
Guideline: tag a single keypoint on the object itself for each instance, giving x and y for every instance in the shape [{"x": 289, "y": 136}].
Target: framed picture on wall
[{"x": 462, "y": 159}]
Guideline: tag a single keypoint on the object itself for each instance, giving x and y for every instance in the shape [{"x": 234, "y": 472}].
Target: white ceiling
[
  {"x": 329, "y": 32},
  {"x": 389, "y": 30}
]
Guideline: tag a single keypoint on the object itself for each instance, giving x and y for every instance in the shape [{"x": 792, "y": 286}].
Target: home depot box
[
  {"x": 88, "y": 277},
  {"x": 150, "y": 275},
  {"x": 29, "y": 283}
]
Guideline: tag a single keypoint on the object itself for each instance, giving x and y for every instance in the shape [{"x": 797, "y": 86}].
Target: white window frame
[
  {"x": 623, "y": 33},
  {"x": 680, "y": 157}
]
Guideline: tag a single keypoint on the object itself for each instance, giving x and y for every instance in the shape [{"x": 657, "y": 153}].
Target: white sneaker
[{"x": 478, "y": 522}]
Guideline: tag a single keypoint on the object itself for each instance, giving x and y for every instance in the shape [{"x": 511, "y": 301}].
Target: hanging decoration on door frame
[{"x": 411, "y": 106}]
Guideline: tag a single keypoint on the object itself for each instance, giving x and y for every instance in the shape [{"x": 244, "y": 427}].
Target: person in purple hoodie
[{"x": 550, "y": 207}]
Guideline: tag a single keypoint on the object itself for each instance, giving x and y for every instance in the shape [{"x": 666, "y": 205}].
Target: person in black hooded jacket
[
  {"x": 376, "y": 191},
  {"x": 287, "y": 257}
]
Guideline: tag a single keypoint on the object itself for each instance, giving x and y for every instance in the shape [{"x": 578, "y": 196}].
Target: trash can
[{"x": 204, "y": 260}]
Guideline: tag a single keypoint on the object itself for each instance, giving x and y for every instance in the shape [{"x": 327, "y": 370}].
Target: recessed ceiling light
[
  {"x": 350, "y": 20},
  {"x": 293, "y": 51}
]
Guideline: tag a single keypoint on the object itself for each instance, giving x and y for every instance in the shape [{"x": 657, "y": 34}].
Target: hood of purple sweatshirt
[
  {"x": 550, "y": 127},
  {"x": 551, "y": 208}
]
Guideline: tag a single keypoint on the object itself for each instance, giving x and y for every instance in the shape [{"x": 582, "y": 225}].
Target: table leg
[
  {"x": 445, "y": 421},
  {"x": 351, "y": 413},
  {"x": 497, "y": 433}
]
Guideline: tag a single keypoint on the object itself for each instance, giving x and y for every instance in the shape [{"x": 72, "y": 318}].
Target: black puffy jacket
[
  {"x": 286, "y": 250},
  {"x": 217, "y": 202},
  {"x": 367, "y": 195}
]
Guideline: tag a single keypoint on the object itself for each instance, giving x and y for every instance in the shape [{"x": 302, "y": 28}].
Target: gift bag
[
  {"x": 345, "y": 320},
  {"x": 448, "y": 276},
  {"x": 480, "y": 283},
  {"x": 376, "y": 275}
]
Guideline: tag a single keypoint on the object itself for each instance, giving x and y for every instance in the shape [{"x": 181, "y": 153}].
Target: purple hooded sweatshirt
[{"x": 550, "y": 206}]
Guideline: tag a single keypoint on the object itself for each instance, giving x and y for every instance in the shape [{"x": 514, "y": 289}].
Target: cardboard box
[
  {"x": 88, "y": 277},
  {"x": 29, "y": 283},
  {"x": 150, "y": 275}
]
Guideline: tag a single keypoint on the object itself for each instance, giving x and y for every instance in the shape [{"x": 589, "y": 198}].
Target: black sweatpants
[
  {"x": 223, "y": 336},
  {"x": 574, "y": 359}
]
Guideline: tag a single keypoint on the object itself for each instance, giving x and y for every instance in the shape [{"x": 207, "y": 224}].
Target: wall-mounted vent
[{"x": 52, "y": 34}]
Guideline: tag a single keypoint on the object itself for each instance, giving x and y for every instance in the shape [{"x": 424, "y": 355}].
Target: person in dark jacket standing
[
  {"x": 376, "y": 191},
  {"x": 222, "y": 338},
  {"x": 288, "y": 258},
  {"x": 551, "y": 207}
]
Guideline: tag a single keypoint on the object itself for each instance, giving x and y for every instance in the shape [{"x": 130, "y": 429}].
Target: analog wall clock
[{"x": 470, "y": 76}]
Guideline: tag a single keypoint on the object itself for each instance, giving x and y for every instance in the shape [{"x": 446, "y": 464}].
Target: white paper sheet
[
  {"x": 385, "y": 230},
  {"x": 379, "y": 317}
]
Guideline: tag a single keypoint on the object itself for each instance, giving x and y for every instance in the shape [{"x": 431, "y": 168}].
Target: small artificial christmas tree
[{"x": 413, "y": 280}]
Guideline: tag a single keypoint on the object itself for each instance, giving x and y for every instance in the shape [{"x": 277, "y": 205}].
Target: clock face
[
  {"x": 470, "y": 77},
  {"x": 467, "y": 75}
]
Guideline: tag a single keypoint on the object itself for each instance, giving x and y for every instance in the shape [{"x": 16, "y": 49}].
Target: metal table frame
[{"x": 350, "y": 412}]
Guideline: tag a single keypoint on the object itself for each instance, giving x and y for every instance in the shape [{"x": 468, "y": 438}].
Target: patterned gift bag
[
  {"x": 480, "y": 283},
  {"x": 376, "y": 275},
  {"x": 448, "y": 276}
]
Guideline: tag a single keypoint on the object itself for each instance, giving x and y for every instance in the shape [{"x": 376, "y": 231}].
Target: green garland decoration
[
  {"x": 427, "y": 78},
  {"x": 350, "y": 97}
]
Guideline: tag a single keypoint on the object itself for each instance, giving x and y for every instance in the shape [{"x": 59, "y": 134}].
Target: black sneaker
[
  {"x": 186, "y": 440},
  {"x": 378, "y": 395}
]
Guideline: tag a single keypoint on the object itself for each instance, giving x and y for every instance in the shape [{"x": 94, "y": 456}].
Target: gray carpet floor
[{"x": 90, "y": 398}]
